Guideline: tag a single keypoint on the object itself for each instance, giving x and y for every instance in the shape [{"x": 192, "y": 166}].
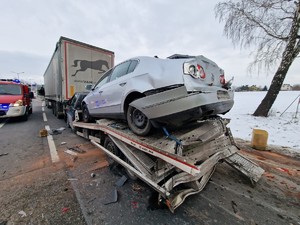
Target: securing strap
[{"x": 178, "y": 142}]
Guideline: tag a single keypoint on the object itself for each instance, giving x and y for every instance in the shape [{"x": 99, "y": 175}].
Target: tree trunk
[
  {"x": 290, "y": 53},
  {"x": 266, "y": 104}
]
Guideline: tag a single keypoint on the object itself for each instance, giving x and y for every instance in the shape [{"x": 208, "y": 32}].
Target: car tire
[
  {"x": 86, "y": 115},
  {"x": 25, "y": 116},
  {"x": 138, "y": 121}
]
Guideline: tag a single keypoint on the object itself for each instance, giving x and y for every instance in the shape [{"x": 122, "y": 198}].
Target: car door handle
[
  {"x": 122, "y": 84},
  {"x": 100, "y": 92}
]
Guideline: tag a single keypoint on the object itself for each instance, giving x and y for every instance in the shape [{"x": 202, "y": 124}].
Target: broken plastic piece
[
  {"x": 22, "y": 213},
  {"x": 113, "y": 197},
  {"x": 70, "y": 152},
  {"x": 76, "y": 149},
  {"x": 54, "y": 132},
  {"x": 121, "y": 181},
  {"x": 64, "y": 210}
]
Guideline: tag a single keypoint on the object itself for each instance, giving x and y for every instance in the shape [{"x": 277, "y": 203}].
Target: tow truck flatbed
[{"x": 176, "y": 165}]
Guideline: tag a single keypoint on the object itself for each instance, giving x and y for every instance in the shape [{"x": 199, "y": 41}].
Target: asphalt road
[{"x": 39, "y": 185}]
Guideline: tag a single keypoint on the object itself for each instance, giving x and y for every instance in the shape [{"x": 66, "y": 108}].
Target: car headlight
[{"x": 17, "y": 103}]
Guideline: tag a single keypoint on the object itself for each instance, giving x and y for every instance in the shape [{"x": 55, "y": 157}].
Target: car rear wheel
[{"x": 138, "y": 121}]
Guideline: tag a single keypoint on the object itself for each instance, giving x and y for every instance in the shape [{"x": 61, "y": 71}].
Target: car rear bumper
[
  {"x": 176, "y": 105},
  {"x": 13, "y": 112}
]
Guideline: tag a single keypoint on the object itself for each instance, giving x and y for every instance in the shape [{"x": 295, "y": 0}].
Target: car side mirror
[
  {"x": 88, "y": 87},
  {"x": 31, "y": 95}
]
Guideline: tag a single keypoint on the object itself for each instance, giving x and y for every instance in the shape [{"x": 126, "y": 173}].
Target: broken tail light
[
  {"x": 222, "y": 79},
  {"x": 195, "y": 71}
]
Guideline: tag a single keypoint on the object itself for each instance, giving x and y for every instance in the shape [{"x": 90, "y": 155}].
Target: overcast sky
[{"x": 29, "y": 30}]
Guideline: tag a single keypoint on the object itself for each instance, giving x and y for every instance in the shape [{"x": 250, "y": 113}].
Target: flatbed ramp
[{"x": 176, "y": 164}]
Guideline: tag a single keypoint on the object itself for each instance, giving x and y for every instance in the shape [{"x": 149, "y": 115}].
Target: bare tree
[{"x": 272, "y": 26}]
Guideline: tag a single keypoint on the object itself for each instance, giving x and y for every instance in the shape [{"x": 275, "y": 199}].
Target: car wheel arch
[{"x": 130, "y": 98}]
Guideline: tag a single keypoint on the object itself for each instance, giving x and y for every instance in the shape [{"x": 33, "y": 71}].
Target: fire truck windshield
[{"x": 10, "y": 89}]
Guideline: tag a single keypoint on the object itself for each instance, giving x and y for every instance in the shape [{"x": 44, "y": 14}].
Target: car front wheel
[
  {"x": 86, "y": 115},
  {"x": 138, "y": 121}
]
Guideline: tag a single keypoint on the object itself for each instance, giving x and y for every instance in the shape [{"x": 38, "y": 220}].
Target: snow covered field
[{"x": 283, "y": 130}]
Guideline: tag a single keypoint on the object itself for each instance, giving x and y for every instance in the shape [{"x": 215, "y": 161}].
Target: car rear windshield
[{"x": 10, "y": 89}]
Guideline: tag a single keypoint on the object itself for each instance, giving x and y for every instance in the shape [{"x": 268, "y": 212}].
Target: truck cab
[{"x": 15, "y": 99}]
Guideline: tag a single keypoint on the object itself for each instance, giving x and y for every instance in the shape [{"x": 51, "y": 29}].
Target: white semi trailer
[{"x": 73, "y": 66}]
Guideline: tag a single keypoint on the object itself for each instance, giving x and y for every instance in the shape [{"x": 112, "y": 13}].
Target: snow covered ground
[{"x": 283, "y": 130}]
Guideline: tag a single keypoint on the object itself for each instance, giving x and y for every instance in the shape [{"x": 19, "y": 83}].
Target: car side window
[
  {"x": 104, "y": 79},
  {"x": 120, "y": 70},
  {"x": 132, "y": 66}
]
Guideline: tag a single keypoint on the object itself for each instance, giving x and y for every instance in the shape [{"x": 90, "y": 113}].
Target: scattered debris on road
[
  {"x": 121, "y": 181},
  {"x": 112, "y": 197},
  {"x": 3, "y": 154},
  {"x": 76, "y": 149},
  {"x": 71, "y": 153},
  {"x": 57, "y": 131},
  {"x": 22, "y": 213},
  {"x": 43, "y": 133}
]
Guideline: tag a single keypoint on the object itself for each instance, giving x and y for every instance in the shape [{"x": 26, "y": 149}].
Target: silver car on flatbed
[{"x": 149, "y": 91}]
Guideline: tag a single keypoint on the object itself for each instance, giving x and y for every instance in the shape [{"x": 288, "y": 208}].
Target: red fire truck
[{"x": 15, "y": 99}]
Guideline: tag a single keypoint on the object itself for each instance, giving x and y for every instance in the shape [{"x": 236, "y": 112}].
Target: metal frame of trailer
[{"x": 176, "y": 165}]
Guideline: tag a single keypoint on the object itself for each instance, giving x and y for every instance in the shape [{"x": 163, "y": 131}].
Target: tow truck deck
[{"x": 176, "y": 165}]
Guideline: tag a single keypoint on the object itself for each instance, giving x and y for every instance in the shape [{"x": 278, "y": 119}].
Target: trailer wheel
[
  {"x": 112, "y": 147},
  {"x": 138, "y": 121},
  {"x": 129, "y": 173}
]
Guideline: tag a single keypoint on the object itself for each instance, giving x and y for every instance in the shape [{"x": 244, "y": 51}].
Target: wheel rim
[
  {"x": 85, "y": 115},
  {"x": 139, "y": 119}
]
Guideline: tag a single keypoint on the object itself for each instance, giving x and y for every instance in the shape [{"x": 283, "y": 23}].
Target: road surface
[{"x": 42, "y": 184}]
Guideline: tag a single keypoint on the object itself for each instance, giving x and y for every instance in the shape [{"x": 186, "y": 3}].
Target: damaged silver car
[{"x": 149, "y": 91}]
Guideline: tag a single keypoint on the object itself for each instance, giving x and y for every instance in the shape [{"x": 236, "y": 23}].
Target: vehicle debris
[
  {"x": 57, "y": 131},
  {"x": 112, "y": 197},
  {"x": 3, "y": 154},
  {"x": 76, "y": 149},
  {"x": 71, "y": 153},
  {"x": 121, "y": 181},
  {"x": 65, "y": 209},
  {"x": 22, "y": 213},
  {"x": 43, "y": 133}
]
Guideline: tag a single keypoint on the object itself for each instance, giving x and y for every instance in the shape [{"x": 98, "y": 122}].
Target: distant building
[{"x": 286, "y": 87}]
